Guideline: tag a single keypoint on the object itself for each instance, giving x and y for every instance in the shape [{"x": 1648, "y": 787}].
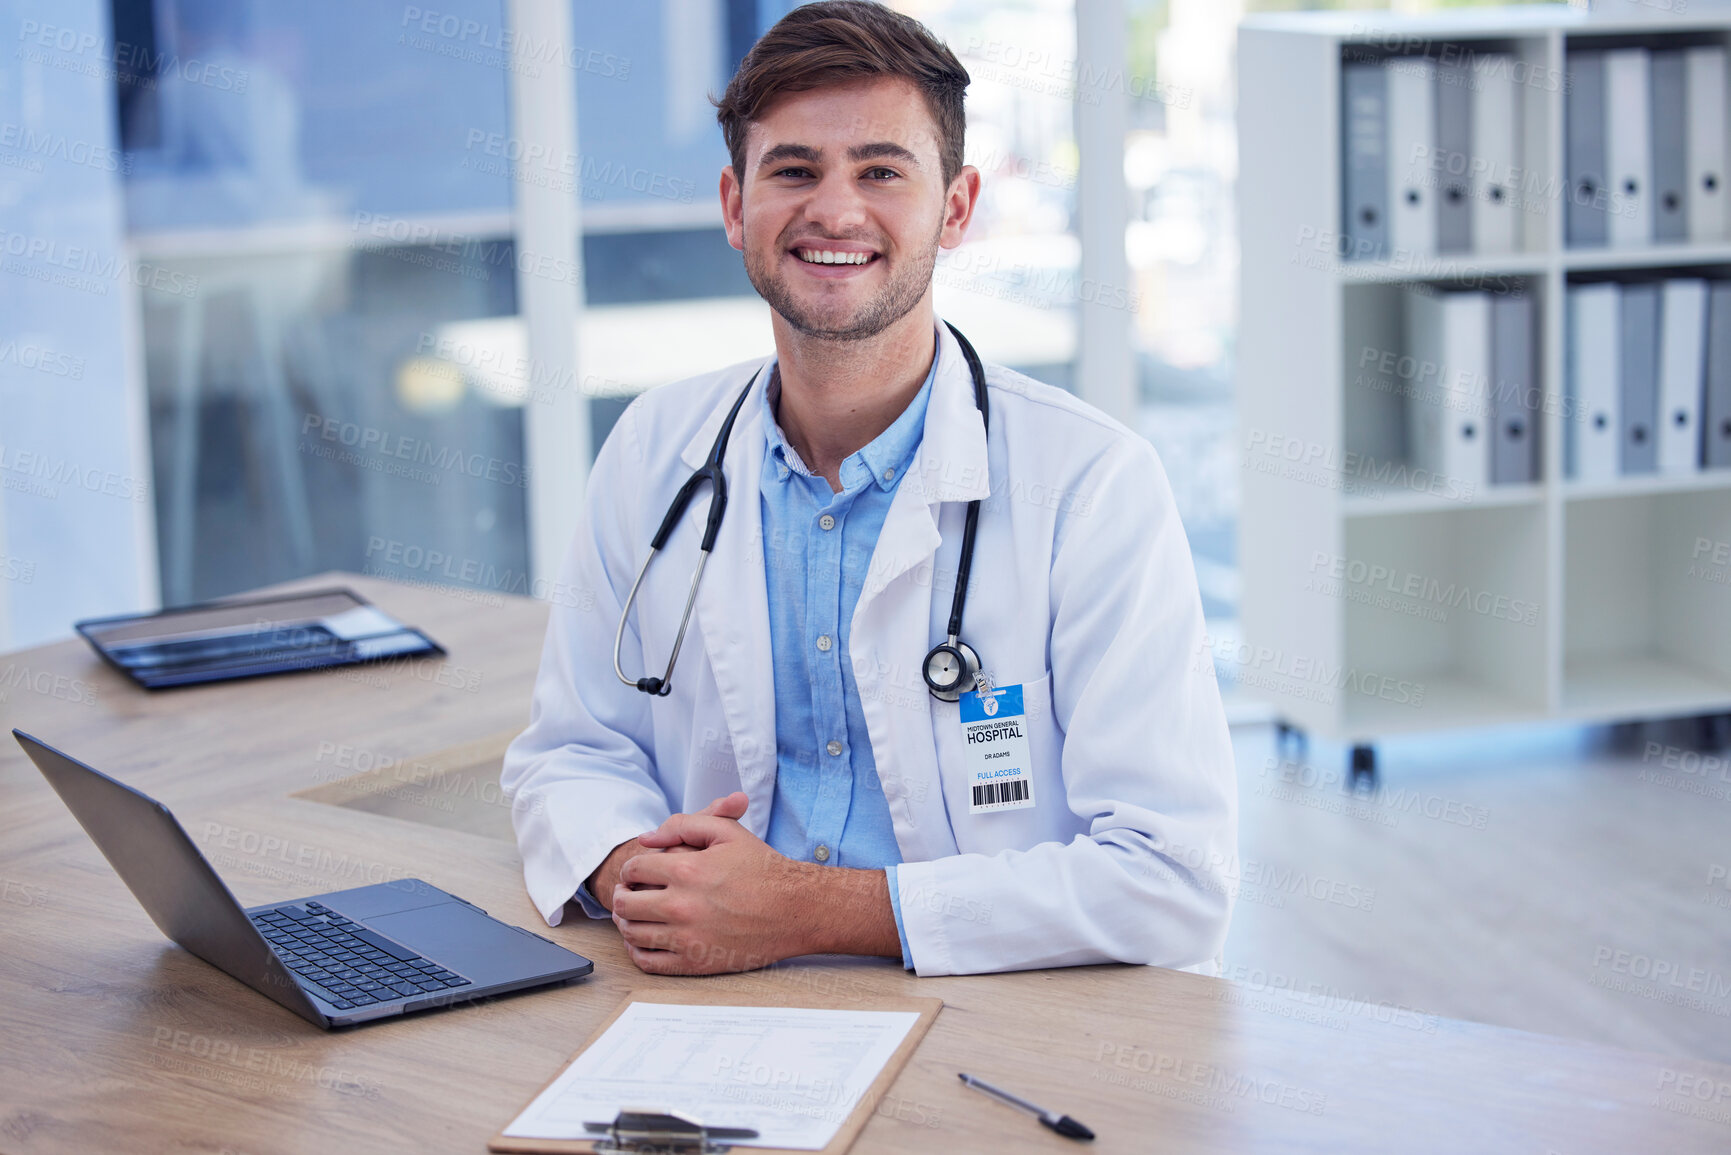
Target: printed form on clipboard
[{"x": 804, "y": 1078}]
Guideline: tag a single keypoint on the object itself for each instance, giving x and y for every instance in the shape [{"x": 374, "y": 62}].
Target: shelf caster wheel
[
  {"x": 1285, "y": 733},
  {"x": 1362, "y": 765},
  {"x": 1714, "y": 732},
  {"x": 1625, "y": 737}
]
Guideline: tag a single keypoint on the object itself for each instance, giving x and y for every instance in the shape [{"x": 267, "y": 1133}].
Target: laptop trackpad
[{"x": 457, "y": 936}]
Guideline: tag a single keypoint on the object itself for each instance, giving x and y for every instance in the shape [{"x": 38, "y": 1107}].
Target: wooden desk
[{"x": 114, "y": 1040}]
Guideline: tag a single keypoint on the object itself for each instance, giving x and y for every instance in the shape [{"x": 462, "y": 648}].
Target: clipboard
[{"x": 927, "y": 1009}]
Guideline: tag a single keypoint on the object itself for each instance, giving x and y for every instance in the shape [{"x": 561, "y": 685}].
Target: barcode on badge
[{"x": 994, "y": 792}]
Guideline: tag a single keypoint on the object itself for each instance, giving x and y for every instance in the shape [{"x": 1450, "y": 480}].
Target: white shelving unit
[{"x": 1589, "y": 602}]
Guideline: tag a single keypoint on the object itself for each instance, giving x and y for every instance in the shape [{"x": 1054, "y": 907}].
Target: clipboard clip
[{"x": 652, "y": 1131}]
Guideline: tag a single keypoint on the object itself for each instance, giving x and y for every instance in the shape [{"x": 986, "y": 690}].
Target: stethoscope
[{"x": 951, "y": 667}]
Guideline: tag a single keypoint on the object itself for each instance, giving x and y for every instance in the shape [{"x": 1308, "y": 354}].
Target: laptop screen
[{"x": 166, "y": 873}]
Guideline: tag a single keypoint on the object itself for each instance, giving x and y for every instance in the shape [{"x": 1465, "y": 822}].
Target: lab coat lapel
[
  {"x": 732, "y": 611},
  {"x": 950, "y": 465},
  {"x": 892, "y": 625}
]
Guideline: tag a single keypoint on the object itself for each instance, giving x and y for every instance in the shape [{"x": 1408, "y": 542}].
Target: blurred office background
[
  {"x": 270, "y": 271},
  {"x": 294, "y": 287}
]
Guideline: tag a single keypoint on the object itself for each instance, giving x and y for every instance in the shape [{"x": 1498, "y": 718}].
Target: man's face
[{"x": 844, "y": 207}]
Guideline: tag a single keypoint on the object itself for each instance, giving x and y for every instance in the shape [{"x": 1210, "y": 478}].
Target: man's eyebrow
[
  {"x": 877, "y": 150},
  {"x": 782, "y": 152},
  {"x": 881, "y": 150}
]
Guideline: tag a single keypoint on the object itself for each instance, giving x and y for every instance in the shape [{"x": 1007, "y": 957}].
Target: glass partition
[{"x": 318, "y": 175}]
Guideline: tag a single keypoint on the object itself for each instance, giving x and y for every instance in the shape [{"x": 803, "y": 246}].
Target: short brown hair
[{"x": 834, "y": 41}]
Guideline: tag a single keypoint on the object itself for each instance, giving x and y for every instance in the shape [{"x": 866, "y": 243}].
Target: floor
[{"x": 1571, "y": 881}]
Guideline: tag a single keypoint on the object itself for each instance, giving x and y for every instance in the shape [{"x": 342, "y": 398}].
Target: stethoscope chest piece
[{"x": 951, "y": 670}]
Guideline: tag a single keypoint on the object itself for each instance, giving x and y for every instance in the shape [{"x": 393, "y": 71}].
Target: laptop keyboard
[{"x": 345, "y": 963}]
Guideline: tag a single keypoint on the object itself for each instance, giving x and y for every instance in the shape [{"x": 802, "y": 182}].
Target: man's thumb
[{"x": 730, "y": 806}]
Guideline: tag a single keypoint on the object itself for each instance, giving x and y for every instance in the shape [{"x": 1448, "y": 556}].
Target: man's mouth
[{"x": 833, "y": 257}]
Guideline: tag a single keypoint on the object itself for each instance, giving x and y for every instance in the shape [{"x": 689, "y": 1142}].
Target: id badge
[{"x": 995, "y": 735}]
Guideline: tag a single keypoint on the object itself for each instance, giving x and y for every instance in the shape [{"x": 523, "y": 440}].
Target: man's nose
[{"x": 835, "y": 205}]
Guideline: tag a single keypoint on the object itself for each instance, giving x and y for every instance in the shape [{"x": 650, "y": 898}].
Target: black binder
[{"x": 251, "y": 637}]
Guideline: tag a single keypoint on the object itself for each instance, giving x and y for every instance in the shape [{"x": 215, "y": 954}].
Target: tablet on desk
[{"x": 251, "y": 637}]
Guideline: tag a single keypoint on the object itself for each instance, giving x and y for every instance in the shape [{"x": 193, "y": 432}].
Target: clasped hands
[{"x": 701, "y": 894}]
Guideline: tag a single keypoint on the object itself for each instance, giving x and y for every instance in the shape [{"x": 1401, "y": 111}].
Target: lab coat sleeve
[
  {"x": 1147, "y": 762},
  {"x": 581, "y": 777}
]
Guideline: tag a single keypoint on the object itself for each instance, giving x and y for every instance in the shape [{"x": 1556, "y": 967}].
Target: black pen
[{"x": 1062, "y": 1124}]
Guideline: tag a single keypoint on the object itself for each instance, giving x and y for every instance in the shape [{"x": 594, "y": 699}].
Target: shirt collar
[{"x": 883, "y": 461}]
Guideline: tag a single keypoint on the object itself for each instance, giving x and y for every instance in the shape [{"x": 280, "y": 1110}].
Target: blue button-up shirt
[{"x": 817, "y": 549}]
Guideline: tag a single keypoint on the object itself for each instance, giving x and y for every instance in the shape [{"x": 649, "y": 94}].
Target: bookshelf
[{"x": 1374, "y": 607}]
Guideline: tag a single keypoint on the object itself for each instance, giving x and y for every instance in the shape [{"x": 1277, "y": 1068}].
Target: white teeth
[{"x": 827, "y": 257}]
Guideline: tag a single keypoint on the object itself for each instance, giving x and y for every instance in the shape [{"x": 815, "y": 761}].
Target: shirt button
[
  {"x": 826, "y": 522},
  {"x": 824, "y": 643},
  {"x": 890, "y": 474},
  {"x": 834, "y": 748},
  {"x": 821, "y": 854}
]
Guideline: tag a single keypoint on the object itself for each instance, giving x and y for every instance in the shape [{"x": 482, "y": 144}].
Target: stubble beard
[{"x": 901, "y": 293}]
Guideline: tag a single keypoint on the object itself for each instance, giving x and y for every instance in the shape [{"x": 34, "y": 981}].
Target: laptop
[{"x": 336, "y": 959}]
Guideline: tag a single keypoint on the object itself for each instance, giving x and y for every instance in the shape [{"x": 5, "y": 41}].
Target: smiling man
[{"x": 945, "y": 695}]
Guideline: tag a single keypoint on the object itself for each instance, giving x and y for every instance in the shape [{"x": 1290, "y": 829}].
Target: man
[{"x": 798, "y": 790}]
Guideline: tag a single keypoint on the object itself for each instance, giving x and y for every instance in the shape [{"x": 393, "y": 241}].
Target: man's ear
[
  {"x": 959, "y": 204},
  {"x": 733, "y": 208}
]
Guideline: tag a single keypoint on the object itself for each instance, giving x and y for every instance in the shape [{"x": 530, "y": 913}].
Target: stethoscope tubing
[{"x": 711, "y": 471}]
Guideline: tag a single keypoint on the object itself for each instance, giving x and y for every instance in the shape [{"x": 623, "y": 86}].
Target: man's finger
[
  {"x": 728, "y": 806},
  {"x": 650, "y": 959},
  {"x": 699, "y": 830},
  {"x": 647, "y": 905},
  {"x": 645, "y": 935},
  {"x": 656, "y": 962},
  {"x": 656, "y": 949},
  {"x": 655, "y": 870}
]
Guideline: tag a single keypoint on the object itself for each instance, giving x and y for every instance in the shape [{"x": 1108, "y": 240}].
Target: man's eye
[
  {"x": 883, "y": 174},
  {"x": 796, "y": 172}
]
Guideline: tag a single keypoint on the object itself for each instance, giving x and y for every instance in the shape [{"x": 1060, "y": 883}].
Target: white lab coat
[{"x": 1082, "y": 590}]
